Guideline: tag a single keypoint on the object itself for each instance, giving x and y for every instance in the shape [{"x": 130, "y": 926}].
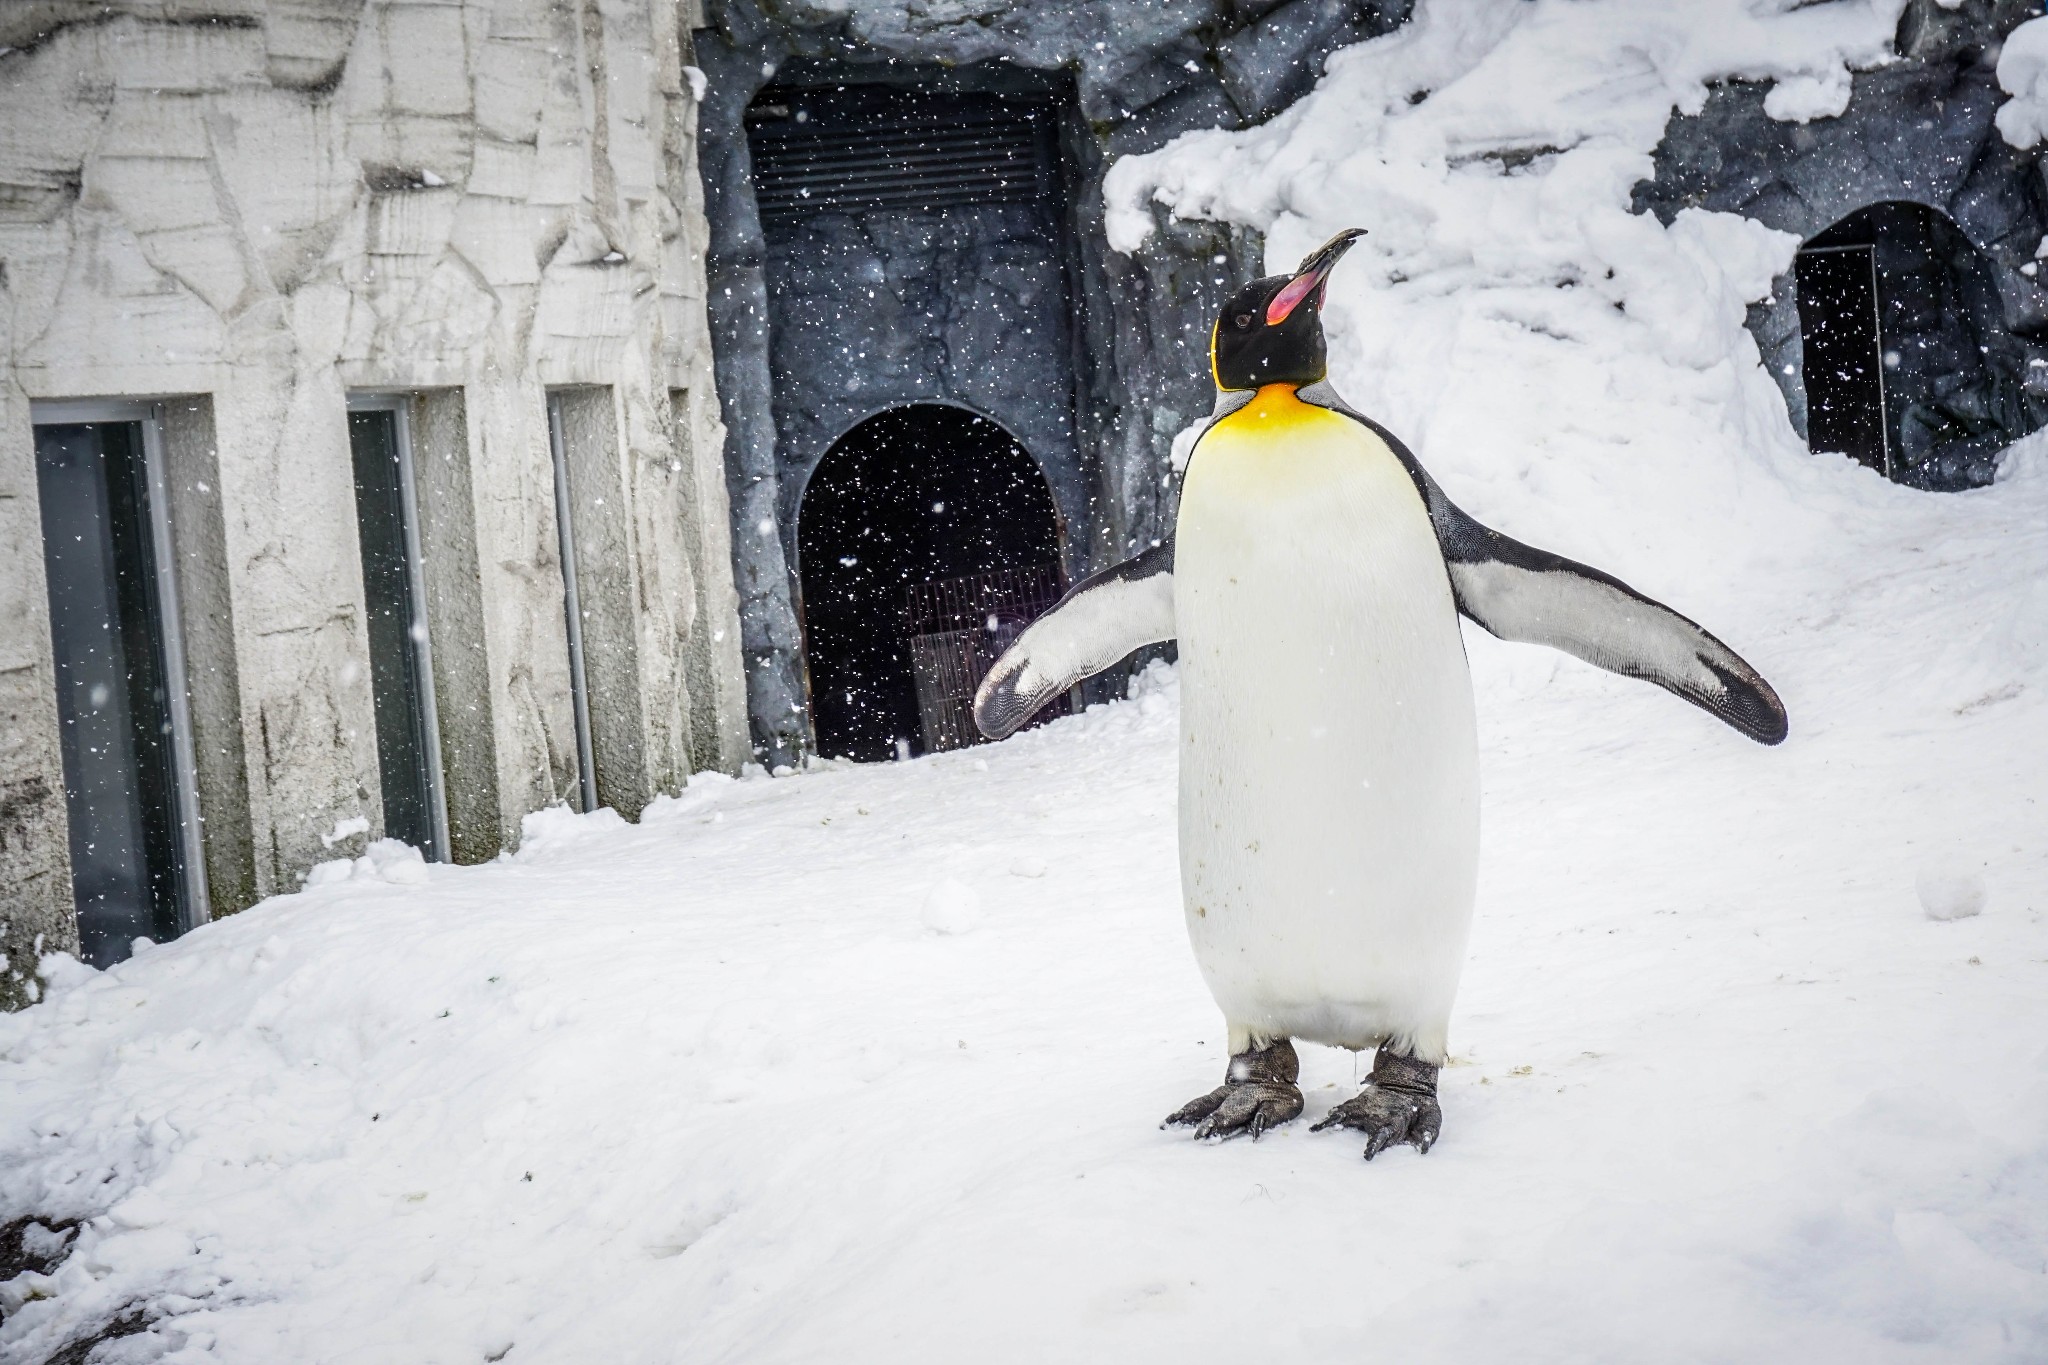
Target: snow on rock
[
  {"x": 2023, "y": 74},
  {"x": 1184, "y": 442},
  {"x": 711, "y": 1087},
  {"x": 1802, "y": 99},
  {"x": 1396, "y": 120},
  {"x": 345, "y": 829}
]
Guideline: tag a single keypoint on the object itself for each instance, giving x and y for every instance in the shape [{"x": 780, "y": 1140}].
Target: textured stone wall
[
  {"x": 272, "y": 202},
  {"x": 861, "y": 325},
  {"x": 1918, "y": 131},
  {"x": 1140, "y": 72}
]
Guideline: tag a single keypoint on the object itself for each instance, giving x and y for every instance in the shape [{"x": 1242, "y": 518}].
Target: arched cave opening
[
  {"x": 1909, "y": 367},
  {"x": 926, "y": 540}
]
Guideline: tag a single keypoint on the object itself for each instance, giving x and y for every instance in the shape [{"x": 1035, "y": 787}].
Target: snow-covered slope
[{"x": 866, "y": 1064}]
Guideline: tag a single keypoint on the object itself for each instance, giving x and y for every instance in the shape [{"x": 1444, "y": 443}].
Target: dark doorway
[
  {"x": 1908, "y": 367},
  {"x": 110, "y": 618},
  {"x": 401, "y": 685},
  {"x": 926, "y": 540},
  {"x": 1844, "y": 362}
]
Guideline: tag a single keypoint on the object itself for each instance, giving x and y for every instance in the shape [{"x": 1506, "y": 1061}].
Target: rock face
[
  {"x": 863, "y": 327},
  {"x": 940, "y": 299},
  {"x": 1966, "y": 318},
  {"x": 261, "y": 206},
  {"x": 1126, "y": 76}
]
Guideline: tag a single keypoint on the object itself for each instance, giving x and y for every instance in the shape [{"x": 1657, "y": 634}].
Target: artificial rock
[{"x": 266, "y": 205}]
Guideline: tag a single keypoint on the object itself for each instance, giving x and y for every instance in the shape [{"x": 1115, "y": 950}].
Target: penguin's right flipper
[{"x": 1101, "y": 620}]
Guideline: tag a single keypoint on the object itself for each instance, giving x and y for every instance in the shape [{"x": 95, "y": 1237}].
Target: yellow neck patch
[
  {"x": 1275, "y": 410},
  {"x": 1277, "y": 449}
]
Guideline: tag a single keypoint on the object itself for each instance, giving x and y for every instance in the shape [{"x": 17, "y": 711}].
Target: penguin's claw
[
  {"x": 1239, "y": 1108},
  {"x": 1258, "y": 1092},
  {"x": 1388, "y": 1118},
  {"x": 1197, "y": 1109}
]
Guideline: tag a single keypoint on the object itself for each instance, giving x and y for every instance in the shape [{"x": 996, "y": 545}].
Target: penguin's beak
[{"x": 1315, "y": 268}]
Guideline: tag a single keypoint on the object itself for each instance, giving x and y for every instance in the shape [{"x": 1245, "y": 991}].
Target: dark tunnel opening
[
  {"x": 927, "y": 539},
  {"x": 1908, "y": 367}
]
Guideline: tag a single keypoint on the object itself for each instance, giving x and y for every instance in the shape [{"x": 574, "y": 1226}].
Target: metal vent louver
[{"x": 979, "y": 151}]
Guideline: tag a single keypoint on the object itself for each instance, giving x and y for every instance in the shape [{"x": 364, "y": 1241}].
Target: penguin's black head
[{"x": 1271, "y": 331}]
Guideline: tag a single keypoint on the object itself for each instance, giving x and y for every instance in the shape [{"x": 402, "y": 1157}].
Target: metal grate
[
  {"x": 981, "y": 151},
  {"x": 958, "y": 628}
]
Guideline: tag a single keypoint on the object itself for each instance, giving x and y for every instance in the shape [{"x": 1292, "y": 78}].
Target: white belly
[{"x": 1329, "y": 802}]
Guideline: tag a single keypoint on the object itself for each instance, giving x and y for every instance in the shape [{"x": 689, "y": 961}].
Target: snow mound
[
  {"x": 386, "y": 860},
  {"x": 555, "y": 831}
]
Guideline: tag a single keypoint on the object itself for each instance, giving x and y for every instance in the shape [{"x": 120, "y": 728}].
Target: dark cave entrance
[
  {"x": 926, "y": 540},
  {"x": 1908, "y": 364}
]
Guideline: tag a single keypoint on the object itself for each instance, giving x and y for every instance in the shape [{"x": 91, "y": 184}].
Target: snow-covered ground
[{"x": 866, "y": 1064}]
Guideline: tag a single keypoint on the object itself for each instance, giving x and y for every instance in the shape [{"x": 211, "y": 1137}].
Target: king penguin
[{"x": 1329, "y": 774}]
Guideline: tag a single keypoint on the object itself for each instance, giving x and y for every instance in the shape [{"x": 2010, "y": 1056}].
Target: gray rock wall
[
  {"x": 1139, "y": 73},
  {"x": 862, "y": 328}
]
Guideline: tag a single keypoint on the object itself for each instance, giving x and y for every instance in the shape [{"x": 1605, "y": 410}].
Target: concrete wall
[
  {"x": 35, "y": 873},
  {"x": 265, "y": 204},
  {"x": 213, "y": 681}
]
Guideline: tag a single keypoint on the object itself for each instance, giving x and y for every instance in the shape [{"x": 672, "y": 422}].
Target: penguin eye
[{"x": 1244, "y": 320}]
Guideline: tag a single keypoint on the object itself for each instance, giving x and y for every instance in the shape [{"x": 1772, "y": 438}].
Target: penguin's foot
[
  {"x": 1258, "y": 1092},
  {"x": 1398, "y": 1105}
]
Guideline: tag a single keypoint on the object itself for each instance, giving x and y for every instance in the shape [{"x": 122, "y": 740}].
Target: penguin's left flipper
[
  {"x": 1518, "y": 592},
  {"x": 1532, "y": 596},
  {"x": 1101, "y": 620}
]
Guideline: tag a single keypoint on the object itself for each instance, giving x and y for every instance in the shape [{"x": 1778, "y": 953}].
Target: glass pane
[
  {"x": 395, "y": 680},
  {"x": 106, "y": 636}
]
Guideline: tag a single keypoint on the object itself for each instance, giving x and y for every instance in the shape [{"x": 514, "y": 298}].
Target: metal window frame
[
  {"x": 195, "y": 907},
  {"x": 572, "y": 609},
  {"x": 399, "y": 404}
]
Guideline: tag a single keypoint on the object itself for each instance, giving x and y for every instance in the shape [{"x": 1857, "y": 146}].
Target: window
[
  {"x": 130, "y": 791},
  {"x": 394, "y": 598}
]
